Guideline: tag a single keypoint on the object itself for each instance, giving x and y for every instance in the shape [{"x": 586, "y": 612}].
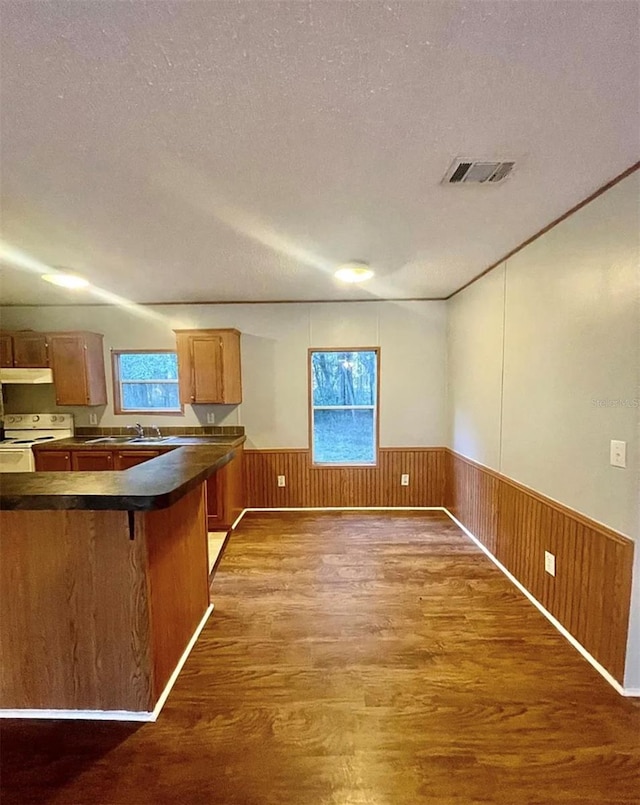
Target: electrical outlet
[
  {"x": 550, "y": 563},
  {"x": 282, "y": 481},
  {"x": 404, "y": 479},
  {"x": 211, "y": 418},
  {"x": 618, "y": 454},
  {"x": 93, "y": 419}
]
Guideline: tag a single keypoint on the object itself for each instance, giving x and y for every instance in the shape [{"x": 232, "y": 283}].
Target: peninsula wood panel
[
  {"x": 176, "y": 541},
  {"x": 591, "y": 592},
  {"x": 307, "y": 485},
  {"x": 74, "y": 612}
]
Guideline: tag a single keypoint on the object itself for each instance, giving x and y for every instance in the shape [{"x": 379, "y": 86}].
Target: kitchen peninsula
[{"x": 104, "y": 581}]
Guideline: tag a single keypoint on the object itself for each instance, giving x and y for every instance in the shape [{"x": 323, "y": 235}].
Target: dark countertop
[
  {"x": 156, "y": 484},
  {"x": 171, "y": 443}
]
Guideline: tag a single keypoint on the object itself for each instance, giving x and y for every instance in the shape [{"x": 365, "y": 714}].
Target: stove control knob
[
  {"x": 54, "y": 418},
  {"x": 12, "y": 419},
  {"x": 35, "y": 419}
]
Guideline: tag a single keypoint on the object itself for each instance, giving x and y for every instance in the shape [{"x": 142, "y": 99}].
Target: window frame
[
  {"x": 117, "y": 397},
  {"x": 376, "y": 429}
]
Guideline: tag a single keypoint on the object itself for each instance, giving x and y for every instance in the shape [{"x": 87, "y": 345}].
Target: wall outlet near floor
[
  {"x": 282, "y": 481},
  {"x": 93, "y": 419},
  {"x": 618, "y": 454},
  {"x": 404, "y": 479},
  {"x": 550, "y": 563},
  {"x": 211, "y": 418}
]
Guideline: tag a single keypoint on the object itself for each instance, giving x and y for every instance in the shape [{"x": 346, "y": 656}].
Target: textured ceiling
[{"x": 185, "y": 151}]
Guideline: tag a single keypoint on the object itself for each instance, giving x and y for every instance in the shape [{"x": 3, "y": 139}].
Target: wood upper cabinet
[
  {"x": 30, "y": 350},
  {"x": 92, "y": 460},
  {"x": 24, "y": 349},
  {"x": 209, "y": 366},
  {"x": 124, "y": 459},
  {"x": 77, "y": 361},
  {"x": 6, "y": 350},
  {"x": 52, "y": 460}
]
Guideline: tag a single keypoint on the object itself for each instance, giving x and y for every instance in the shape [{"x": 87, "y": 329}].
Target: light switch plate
[
  {"x": 618, "y": 454},
  {"x": 211, "y": 418},
  {"x": 93, "y": 419},
  {"x": 282, "y": 480},
  {"x": 404, "y": 479},
  {"x": 550, "y": 563}
]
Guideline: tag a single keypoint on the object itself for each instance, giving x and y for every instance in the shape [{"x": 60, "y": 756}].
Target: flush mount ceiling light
[
  {"x": 354, "y": 272},
  {"x": 66, "y": 279}
]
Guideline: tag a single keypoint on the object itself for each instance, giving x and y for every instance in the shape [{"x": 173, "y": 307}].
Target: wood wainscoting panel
[
  {"x": 309, "y": 486},
  {"x": 472, "y": 497},
  {"x": 590, "y": 594},
  {"x": 74, "y": 612},
  {"x": 178, "y": 578}
]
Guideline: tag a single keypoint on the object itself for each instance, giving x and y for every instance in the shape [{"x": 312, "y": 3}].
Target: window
[
  {"x": 343, "y": 391},
  {"x": 145, "y": 382}
]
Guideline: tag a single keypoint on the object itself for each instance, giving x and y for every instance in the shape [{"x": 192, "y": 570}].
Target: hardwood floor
[{"x": 354, "y": 658}]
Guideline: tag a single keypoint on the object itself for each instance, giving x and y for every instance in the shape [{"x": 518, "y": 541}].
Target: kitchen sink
[
  {"x": 109, "y": 440},
  {"x": 129, "y": 440},
  {"x": 150, "y": 439}
]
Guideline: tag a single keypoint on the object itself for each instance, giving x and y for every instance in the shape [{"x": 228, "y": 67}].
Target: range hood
[{"x": 26, "y": 376}]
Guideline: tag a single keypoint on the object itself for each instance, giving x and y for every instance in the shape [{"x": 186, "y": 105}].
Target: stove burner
[{"x": 42, "y": 438}]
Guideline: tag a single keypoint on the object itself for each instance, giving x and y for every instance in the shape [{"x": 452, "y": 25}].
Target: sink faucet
[
  {"x": 157, "y": 430},
  {"x": 139, "y": 430}
]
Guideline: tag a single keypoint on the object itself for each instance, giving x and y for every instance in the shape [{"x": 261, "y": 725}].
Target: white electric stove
[{"x": 22, "y": 431}]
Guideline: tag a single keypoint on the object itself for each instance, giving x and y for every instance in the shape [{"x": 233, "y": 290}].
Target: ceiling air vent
[{"x": 464, "y": 171}]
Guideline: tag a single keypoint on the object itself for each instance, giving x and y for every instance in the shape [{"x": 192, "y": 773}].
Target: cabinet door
[
  {"x": 215, "y": 501},
  {"x": 67, "y": 355},
  {"x": 129, "y": 458},
  {"x": 30, "y": 350},
  {"x": 92, "y": 460},
  {"x": 6, "y": 350},
  {"x": 206, "y": 358},
  {"x": 209, "y": 368},
  {"x": 225, "y": 494},
  {"x": 52, "y": 460}
]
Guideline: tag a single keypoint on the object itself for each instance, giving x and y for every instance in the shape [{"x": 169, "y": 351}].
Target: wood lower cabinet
[
  {"x": 92, "y": 460},
  {"x": 225, "y": 498},
  {"x": 52, "y": 460},
  {"x": 77, "y": 361},
  {"x": 209, "y": 368},
  {"x": 225, "y": 488},
  {"x": 124, "y": 459}
]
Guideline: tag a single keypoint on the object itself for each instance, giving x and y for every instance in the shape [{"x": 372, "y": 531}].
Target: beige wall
[
  {"x": 411, "y": 335},
  {"x": 566, "y": 312},
  {"x": 475, "y": 344}
]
